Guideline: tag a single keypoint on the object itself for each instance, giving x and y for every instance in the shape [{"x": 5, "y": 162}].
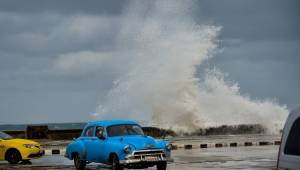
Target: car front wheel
[
  {"x": 79, "y": 164},
  {"x": 115, "y": 164},
  {"x": 13, "y": 156},
  {"x": 161, "y": 166}
]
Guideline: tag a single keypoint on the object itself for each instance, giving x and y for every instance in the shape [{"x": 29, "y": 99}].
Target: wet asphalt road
[{"x": 254, "y": 157}]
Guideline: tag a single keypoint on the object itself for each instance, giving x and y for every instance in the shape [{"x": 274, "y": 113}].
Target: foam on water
[{"x": 161, "y": 49}]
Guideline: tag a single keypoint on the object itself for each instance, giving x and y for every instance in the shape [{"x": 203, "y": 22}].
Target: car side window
[
  {"x": 99, "y": 131},
  {"x": 89, "y": 131},
  {"x": 292, "y": 146}
]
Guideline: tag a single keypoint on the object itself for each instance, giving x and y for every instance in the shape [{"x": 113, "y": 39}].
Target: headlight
[
  {"x": 169, "y": 146},
  {"x": 30, "y": 146},
  {"x": 127, "y": 149}
]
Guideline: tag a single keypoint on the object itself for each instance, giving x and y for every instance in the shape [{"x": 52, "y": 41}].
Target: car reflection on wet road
[{"x": 254, "y": 157}]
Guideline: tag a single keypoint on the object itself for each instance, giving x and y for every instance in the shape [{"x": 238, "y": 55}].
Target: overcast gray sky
[{"x": 260, "y": 43}]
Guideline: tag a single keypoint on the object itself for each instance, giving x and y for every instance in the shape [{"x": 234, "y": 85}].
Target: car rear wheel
[
  {"x": 13, "y": 156},
  {"x": 115, "y": 164},
  {"x": 161, "y": 166},
  {"x": 79, "y": 164}
]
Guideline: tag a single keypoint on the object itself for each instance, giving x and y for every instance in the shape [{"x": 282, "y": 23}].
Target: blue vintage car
[{"x": 119, "y": 143}]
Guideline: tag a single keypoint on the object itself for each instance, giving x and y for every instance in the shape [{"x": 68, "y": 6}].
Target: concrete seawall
[
  {"x": 42, "y": 132},
  {"x": 67, "y": 134}
]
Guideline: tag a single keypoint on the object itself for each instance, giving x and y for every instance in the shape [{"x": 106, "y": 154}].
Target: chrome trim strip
[
  {"x": 153, "y": 155},
  {"x": 148, "y": 150},
  {"x": 130, "y": 161}
]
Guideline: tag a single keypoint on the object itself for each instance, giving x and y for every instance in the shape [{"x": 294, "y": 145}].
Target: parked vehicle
[
  {"x": 16, "y": 150},
  {"x": 289, "y": 152},
  {"x": 119, "y": 143}
]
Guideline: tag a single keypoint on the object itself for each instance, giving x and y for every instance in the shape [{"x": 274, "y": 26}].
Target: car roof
[
  {"x": 294, "y": 114},
  {"x": 111, "y": 122},
  {"x": 295, "y": 111}
]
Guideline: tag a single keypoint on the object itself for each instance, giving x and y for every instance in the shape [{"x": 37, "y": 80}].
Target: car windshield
[
  {"x": 5, "y": 136},
  {"x": 124, "y": 130}
]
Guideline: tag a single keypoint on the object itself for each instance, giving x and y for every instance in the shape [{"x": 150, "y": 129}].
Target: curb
[
  {"x": 277, "y": 142},
  {"x": 222, "y": 145},
  {"x": 233, "y": 144},
  {"x": 203, "y": 145},
  {"x": 49, "y": 152},
  {"x": 56, "y": 151},
  {"x": 188, "y": 146}
]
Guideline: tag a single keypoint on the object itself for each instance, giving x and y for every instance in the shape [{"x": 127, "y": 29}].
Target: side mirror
[{"x": 102, "y": 137}]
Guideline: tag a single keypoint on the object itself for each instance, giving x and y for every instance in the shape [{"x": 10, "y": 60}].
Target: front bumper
[
  {"x": 145, "y": 160},
  {"x": 37, "y": 155},
  {"x": 146, "y": 156},
  {"x": 33, "y": 154}
]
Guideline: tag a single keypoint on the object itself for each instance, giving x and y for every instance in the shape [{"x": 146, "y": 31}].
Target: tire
[
  {"x": 161, "y": 166},
  {"x": 114, "y": 161},
  {"x": 79, "y": 164},
  {"x": 13, "y": 156}
]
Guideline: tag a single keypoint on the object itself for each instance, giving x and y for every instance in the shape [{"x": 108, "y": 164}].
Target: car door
[
  {"x": 87, "y": 139},
  {"x": 98, "y": 145},
  {"x": 290, "y": 151}
]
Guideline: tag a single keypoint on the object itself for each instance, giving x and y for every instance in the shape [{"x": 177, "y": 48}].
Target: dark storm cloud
[
  {"x": 260, "y": 42},
  {"x": 50, "y": 33},
  {"x": 253, "y": 19},
  {"x": 111, "y": 7},
  {"x": 33, "y": 36},
  {"x": 264, "y": 69}
]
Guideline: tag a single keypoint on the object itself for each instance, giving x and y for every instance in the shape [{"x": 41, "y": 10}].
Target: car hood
[
  {"x": 139, "y": 142},
  {"x": 22, "y": 141}
]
